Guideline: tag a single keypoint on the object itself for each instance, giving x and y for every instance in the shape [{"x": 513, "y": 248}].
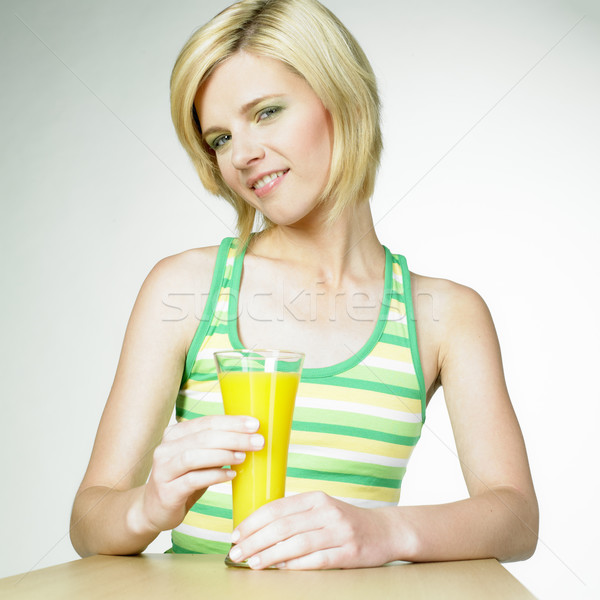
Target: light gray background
[{"x": 490, "y": 178}]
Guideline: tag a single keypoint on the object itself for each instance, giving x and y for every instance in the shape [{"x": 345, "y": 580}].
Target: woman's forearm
[
  {"x": 108, "y": 521},
  {"x": 500, "y": 523}
]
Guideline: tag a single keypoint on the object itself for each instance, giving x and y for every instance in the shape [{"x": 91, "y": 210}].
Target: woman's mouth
[{"x": 265, "y": 184}]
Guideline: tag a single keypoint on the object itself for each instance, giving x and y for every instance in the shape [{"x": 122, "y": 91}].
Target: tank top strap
[
  {"x": 401, "y": 325},
  {"x": 213, "y": 324}
]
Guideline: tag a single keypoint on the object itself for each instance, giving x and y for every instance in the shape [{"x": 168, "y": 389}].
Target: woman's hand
[
  {"x": 191, "y": 458},
  {"x": 314, "y": 531}
]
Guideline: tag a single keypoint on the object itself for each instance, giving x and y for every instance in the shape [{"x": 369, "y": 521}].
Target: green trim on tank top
[
  {"x": 412, "y": 334},
  {"x": 314, "y": 372},
  {"x": 209, "y": 308}
]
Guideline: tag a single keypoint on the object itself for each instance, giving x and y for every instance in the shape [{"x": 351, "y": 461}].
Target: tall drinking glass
[{"x": 261, "y": 384}]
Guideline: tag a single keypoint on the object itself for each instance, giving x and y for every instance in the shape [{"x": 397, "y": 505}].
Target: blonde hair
[{"x": 311, "y": 41}]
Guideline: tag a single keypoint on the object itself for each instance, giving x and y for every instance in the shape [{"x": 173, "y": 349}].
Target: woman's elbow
[{"x": 525, "y": 535}]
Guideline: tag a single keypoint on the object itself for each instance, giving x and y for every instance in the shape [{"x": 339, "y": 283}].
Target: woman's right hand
[{"x": 189, "y": 459}]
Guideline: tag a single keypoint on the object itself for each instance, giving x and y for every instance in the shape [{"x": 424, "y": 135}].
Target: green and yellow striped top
[{"x": 355, "y": 423}]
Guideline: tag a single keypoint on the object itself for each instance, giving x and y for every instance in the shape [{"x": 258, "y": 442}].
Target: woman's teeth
[{"x": 267, "y": 179}]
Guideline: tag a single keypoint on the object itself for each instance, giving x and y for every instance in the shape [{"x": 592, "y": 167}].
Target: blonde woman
[{"x": 277, "y": 106}]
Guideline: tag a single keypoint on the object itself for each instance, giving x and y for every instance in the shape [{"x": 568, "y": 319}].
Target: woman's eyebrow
[{"x": 243, "y": 110}]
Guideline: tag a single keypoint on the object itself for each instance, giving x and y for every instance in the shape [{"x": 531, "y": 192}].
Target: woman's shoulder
[
  {"x": 443, "y": 295},
  {"x": 446, "y": 310},
  {"x": 194, "y": 266},
  {"x": 439, "y": 294},
  {"x": 446, "y": 313},
  {"x": 179, "y": 285}
]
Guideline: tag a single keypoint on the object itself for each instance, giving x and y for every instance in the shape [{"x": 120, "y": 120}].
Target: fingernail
[
  {"x": 230, "y": 473},
  {"x": 235, "y": 554},
  {"x": 252, "y": 424},
  {"x": 280, "y": 565},
  {"x": 235, "y": 536},
  {"x": 257, "y": 441},
  {"x": 254, "y": 562},
  {"x": 240, "y": 456}
]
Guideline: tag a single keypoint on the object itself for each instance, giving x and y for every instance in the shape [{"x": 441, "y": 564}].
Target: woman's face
[{"x": 271, "y": 134}]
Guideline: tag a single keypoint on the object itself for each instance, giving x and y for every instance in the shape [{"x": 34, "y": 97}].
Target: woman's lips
[{"x": 268, "y": 183}]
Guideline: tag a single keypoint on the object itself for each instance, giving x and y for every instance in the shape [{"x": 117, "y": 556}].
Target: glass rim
[{"x": 265, "y": 352}]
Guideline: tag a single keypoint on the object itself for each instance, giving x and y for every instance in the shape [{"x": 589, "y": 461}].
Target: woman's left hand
[{"x": 314, "y": 531}]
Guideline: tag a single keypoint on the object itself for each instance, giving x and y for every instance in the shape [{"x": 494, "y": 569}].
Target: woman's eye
[
  {"x": 220, "y": 141},
  {"x": 267, "y": 113}
]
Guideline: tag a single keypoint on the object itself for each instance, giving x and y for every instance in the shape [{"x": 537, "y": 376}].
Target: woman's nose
[{"x": 245, "y": 151}]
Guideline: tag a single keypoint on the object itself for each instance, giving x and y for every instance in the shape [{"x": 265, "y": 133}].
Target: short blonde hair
[{"x": 311, "y": 41}]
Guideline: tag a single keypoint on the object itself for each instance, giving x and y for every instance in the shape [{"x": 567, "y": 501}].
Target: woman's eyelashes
[
  {"x": 263, "y": 115},
  {"x": 268, "y": 113},
  {"x": 219, "y": 141}
]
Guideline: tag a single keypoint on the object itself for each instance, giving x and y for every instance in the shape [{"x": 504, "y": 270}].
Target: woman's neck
[{"x": 330, "y": 253}]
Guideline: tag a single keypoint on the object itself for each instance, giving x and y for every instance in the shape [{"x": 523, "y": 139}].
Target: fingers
[
  {"x": 274, "y": 533},
  {"x": 307, "y": 550},
  {"x": 310, "y": 531},
  {"x": 199, "y": 459},
  {"x": 175, "y": 458},
  {"x": 277, "y": 510},
  {"x": 167, "y": 503},
  {"x": 215, "y": 422},
  {"x": 287, "y": 529},
  {"x": 191, "y": 458},
  {"x": 205, "y": 443},
  {"x": 179, "y": 490}
]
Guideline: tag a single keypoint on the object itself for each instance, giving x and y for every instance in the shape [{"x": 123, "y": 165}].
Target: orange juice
[{"x": 270, "y": 398}]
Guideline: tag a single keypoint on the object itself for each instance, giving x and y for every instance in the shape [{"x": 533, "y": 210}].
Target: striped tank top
[{"x": 355, "y": 423}]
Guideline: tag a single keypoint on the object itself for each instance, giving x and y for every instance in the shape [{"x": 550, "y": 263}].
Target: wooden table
[{"x": 183, "y": 576}]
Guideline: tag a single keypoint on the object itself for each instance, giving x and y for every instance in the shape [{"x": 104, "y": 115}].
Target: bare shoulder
[
  {"x": 176, "y": 290},
  {"x": 445, "y": 313},
  {"x": 444, "y": 301},
  {"x": 190, "y": 269},
  {"x": 184, "y": 274}
]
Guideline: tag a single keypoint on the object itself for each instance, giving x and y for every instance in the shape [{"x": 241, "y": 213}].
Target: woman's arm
[
  {"x": 118, "y": 509},
  {"x": 499, "y": 519}
]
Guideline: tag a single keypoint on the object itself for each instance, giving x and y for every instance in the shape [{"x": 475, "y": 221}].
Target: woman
[{"x": 277, "y": 106}]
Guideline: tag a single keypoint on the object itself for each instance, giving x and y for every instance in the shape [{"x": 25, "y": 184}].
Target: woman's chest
[{"x": 329, "y": 327}]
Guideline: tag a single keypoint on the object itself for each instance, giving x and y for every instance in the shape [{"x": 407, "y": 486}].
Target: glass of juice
[{"x": 260, "y": 384}]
